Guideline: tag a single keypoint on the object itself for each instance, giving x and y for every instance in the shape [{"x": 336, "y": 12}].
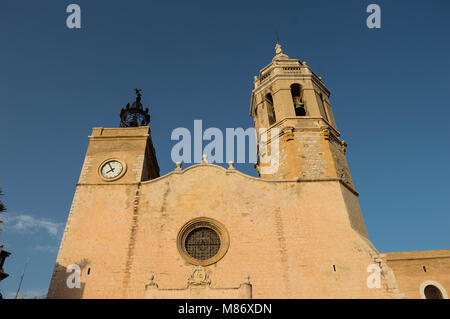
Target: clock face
[{"x": 111, "y": 169}]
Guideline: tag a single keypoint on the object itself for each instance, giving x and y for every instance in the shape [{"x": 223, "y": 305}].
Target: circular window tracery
[{"x": 203, "y": 241}]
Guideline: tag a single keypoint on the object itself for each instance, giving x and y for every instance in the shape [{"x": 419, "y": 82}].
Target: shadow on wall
[{"x": 62, "y": 284}]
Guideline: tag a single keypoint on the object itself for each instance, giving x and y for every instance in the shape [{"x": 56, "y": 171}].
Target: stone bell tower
[
  {"x": 292, "y": 103},
  {"x": 299, "y": 143},
  {"x": 97, "y": 240}
]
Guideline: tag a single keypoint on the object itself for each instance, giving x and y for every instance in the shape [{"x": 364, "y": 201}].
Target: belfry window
[
  {"x": 299, "y": 106},
  {"x": 270, "y": 108}
]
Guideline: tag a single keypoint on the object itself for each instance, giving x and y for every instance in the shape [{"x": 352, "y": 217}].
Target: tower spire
[{"x": 278, "y": 49}]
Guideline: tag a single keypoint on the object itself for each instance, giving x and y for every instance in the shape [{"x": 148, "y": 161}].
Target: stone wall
[
  {"x": 294, "y": 239},
  {"x": 416, "y": 269}
]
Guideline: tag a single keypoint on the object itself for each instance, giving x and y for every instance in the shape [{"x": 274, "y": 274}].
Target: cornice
[{"x": 233, "y": 171}]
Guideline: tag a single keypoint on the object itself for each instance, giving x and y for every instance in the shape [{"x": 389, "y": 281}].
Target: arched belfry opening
[
  {"x": 270, "y": 108},
  {"x": 299, "y": 106}
]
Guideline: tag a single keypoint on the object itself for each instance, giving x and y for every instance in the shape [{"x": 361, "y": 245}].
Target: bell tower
[{"x": 291, "y": 104}]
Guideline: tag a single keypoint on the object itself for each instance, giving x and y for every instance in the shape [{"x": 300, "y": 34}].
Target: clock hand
[{"x": 112, "y": 169}]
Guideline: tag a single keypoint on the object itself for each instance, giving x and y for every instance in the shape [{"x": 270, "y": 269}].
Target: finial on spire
[
  {"x": 134, "y": 115},
  {"x": 138, "y": 94},
  {"x": 278, "y": 49}
]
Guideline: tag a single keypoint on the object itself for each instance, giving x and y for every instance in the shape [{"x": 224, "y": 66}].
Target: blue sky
[{"x": 197, "y": 60}]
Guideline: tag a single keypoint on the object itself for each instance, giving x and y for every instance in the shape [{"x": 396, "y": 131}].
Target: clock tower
[{"x": 101, "y": 219}]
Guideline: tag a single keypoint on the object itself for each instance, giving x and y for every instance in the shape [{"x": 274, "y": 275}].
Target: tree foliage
[{"x": 2, "y": 207}]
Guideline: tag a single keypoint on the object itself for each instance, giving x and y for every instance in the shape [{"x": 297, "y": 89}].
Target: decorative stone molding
[
  {"x": 325, "y": 132},
  {"x": 150, "y": 281},
  {"x": 288, "y": 133},
  {"x": 178, "y": 168},
  {"x": 344, "y": 147},
  {"x": 199, "y": 277},
  {"x": 199, "y": 287}
]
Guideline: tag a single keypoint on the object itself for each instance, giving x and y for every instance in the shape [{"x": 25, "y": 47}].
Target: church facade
[{"x": 213, "y": 232}]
